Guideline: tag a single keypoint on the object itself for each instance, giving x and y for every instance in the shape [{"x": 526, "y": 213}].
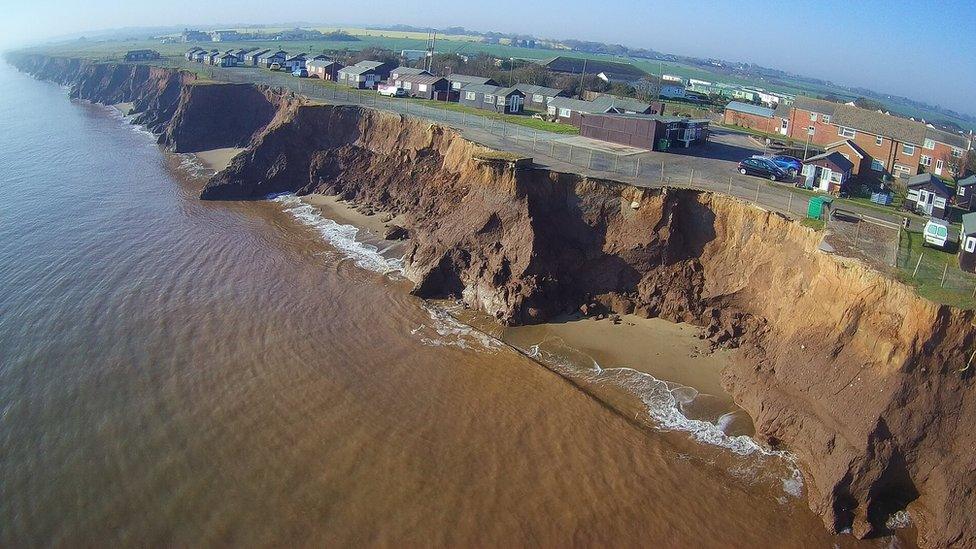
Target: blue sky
[{"x": 925, "y": 50}]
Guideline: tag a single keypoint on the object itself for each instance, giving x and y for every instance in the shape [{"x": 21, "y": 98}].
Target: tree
[{"x": 869, "y": 104}]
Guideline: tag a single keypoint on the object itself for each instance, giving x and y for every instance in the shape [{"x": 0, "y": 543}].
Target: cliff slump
[
  {"x": 188, "y": 114},
  {"x": 852, "y": 371},
  {"x": 864, "y": 381}
]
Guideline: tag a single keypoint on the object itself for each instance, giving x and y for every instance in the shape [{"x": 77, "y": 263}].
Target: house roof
[
  {"x": 407, "y": 71},
  {"x": 832, "y": 157},
  {"x": 949, "y": 138},
  {"x": 422, "y": 78},
  {"x": 621, "y": 103},
  {"x": 861, "y": 153},
  {"x": 369, "y": 64},
  {"x": 969, "y": 223},
  {"x": 815, "y": 105},
  {"x": 468, "y": 79},
  {"x": 324, "y": 63},
  {"x": 748, "y": 108},
  {"x": 491, "y": 90},
  {"x": 923, "y": 179},
  {"x": 579, "y": 105},
  {"x": 297, "y": 57},
  {"x": 532, "y": 89},
  {"x": 357, "y": 69},
  {"x": 971, "y": 180},
  {"x": 257, "y": 53}
]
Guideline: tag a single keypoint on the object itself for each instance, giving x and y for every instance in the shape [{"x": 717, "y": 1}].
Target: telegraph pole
[{"x": 582, "y": 74}]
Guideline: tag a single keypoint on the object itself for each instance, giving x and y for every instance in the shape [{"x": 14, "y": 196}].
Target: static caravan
[
  {"x": 965, "y": 189},
  {"x": 967, "y": 243}
]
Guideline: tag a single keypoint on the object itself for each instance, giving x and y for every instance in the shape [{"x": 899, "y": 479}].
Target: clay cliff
[{"x": 865, "y": 382}]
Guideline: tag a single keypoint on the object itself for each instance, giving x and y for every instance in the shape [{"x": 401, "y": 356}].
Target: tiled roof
[
  {"x": 834, "y": 158},
  {"x": 854, "y": 147},
  {"x": 621, "y": 103},
  {"x": 929, "y": 179},
  {"x": 749, "y": 108}
]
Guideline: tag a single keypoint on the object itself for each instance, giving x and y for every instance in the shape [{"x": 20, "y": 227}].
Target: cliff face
[{"x": 864, "y": 381}]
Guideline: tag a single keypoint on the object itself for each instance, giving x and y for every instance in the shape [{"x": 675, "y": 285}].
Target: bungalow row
[
  {"x": 364, "y": 75},
  {"x": 892, "y": 146}
]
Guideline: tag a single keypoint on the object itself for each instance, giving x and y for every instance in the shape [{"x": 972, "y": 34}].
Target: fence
[{"x": 870, "y": 237}]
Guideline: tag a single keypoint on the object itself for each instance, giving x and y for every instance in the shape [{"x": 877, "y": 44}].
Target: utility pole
[
  {"x": 511, "y": 71},
  {"x": 582, "y": 74}
]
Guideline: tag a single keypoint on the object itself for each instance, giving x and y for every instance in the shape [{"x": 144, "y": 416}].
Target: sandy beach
[{"x": 218, "y": 159}]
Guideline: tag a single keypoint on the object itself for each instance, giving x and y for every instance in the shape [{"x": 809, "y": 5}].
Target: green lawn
[{"x": 928, "y": 280}]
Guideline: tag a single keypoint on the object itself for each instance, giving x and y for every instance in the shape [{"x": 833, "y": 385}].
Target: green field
[{"x": 399, "y": 40}]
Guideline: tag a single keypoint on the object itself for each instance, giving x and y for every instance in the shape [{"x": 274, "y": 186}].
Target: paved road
[{"x": 710, "y": 166}]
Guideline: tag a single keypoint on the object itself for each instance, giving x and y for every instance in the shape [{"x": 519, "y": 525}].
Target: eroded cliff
[{"x": 863, "y": 380}]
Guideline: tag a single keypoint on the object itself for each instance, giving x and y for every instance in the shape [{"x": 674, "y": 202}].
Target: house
[
  {"x": 853, "y": 152},
  {"x": 424, "y": 86},
  {"x": 898, "y": 147},
  {"x": 645, "y": 131},
  {"x": 537, "y": 97},
  {"x": 364, "y": 75},
  {"x": 212, "y": 58},
  {"x": 194, "y": 36},
  {"x": 965, "y": 189},
  {"x": 191, "y": 52},
  {"x": 928, "y": 195},
  {"x": 967, "y": 243},
  {"x": 746, "y": 115},
  {"x": 201, "y": 56},
  {"x": 141, "y": 55},
  {"x": 323, "y": 68},
  {"x": 225, "y": 36},
  {"x": 568, "y": 110},
  {"x": 241, "y": 53},
  {"x": 404, "y": 71},
  {"x": 459, "y": 81},
  {"x": 272, "y": 57},
  {"x": 251, "y": 57},
  {"x": 493, "y": 98},
  {"x": 228, "y": 59},
  {"x": 294, "y": 62},
  {"x": 828, "y": 172}
]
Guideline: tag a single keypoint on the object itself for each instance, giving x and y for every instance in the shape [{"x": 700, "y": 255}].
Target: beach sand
[
  {"x": 372, "y": 227},
  {"x": 218, "y": 159},
  {"x": 123, "y": 108}
]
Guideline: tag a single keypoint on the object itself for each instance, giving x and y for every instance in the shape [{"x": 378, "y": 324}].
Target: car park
[{"x": 763, "y": 167}]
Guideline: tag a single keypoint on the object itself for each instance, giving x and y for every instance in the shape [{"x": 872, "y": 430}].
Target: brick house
[
  {"x": 828, "y": 172},
  {"x": 897, "y": 147},
  {"x": 746, "y": 115},
  {"x": 853, "y": 152}
]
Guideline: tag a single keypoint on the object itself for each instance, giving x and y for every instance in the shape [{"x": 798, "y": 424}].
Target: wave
[
  {"x": 342, "y": 237},
  {"x": 445, "y": 330}
]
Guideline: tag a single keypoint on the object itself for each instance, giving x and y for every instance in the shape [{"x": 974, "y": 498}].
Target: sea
[{"x": 187, "y": 373}]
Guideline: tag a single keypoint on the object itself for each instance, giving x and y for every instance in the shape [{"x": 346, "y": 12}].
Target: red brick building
[{"x": 894, "y": 147}]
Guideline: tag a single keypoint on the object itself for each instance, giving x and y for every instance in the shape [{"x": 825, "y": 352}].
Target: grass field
[
  {"x": 399, "y": 40},
  {"x": 939, "y": 277}
]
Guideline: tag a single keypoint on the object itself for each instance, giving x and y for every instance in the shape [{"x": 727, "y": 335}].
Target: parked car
[
  {"x": 275, "y": 67},
  {"x": 788, "y": 163},
  {"x": 763, "y": 167},
  {"x": 391, "y": 91},
  {"x": 300, "y": 72}
]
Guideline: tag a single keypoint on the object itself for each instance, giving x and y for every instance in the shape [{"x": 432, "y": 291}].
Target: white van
[{"x": 936, "y": 234}]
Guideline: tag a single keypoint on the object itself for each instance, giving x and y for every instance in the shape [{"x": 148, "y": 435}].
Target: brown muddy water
[{"x": 187, "y": 373}]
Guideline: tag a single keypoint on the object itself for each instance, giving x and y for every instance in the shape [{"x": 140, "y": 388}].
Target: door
[
  {"x": 825, "y": 179},
  {"x": 516, "y": 104},
  {"x": 939, "y": 164},
  {"x": 925, "y": 201}
]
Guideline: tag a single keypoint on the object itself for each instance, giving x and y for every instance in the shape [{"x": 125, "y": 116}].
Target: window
[
  {"x": 551, "y": 109},
  {"x": 877, "y": 165},
  {"x": 565, "y": 113},
  {"x": 470, "y": 96},
  {"x": 489, "y": 98},
  {"x": 813, "y": 117},
  {"x": 422, "y": 87},
  {"x": 538, "y": 98},
  {"x": 811, "y": 130},
  {"x": 846, "y": 132},
  {"x": 900, "y": 168},
  {"x": 971, "y": 244},
  {"x": 878, "y": 140},
  {"x": 925, "y": 160},
  {"x": 835, "y": 177},
  {"x": 456, "y": 85},
  {"x": 785, "y": 125},
  {"x": 908, "y": 149},
  {"x": 825, "y": 119},
  {"x": 962, "y": 191},
  {"x": 929, "y": 144},
  {"x": 408, "y": 85},
  {"x": 501, "y": 100},
  {"x": 956, "y": 153}
]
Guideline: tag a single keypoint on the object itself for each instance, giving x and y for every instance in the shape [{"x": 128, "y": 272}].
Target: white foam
[
  {"x": 664, "y": 402},
  {"x": 341, "y": 237},
  {"x": 445, "y": 330},
  {"x": 899, "y": 519}
]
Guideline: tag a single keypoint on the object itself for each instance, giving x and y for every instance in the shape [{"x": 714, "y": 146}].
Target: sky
[{"x": 922, "y": 49}]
